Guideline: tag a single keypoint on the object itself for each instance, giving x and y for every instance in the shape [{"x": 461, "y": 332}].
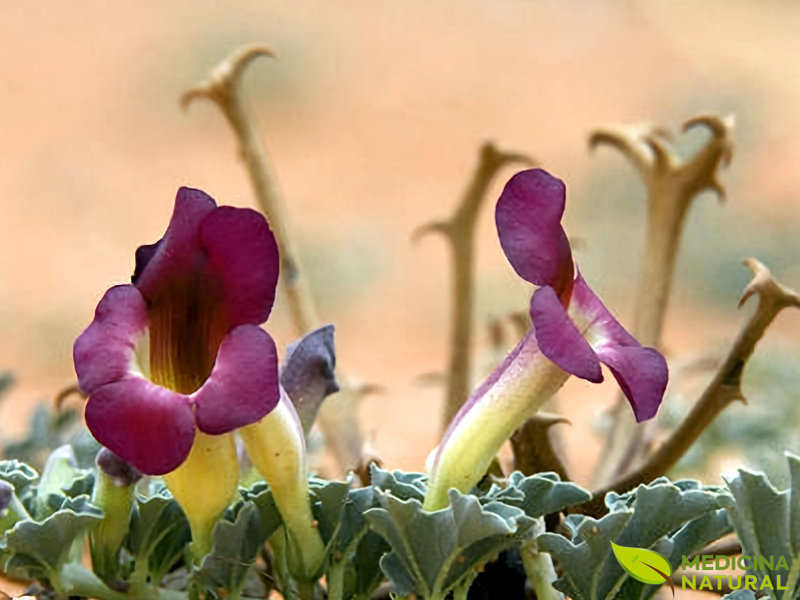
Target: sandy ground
[{"x": 373, "y": 115}]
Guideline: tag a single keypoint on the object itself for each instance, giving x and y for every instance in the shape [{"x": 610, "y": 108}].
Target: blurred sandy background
[{"x": 373, "y": 115}]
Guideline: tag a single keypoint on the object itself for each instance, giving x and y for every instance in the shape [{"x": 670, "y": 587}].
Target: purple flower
[
  {"x": 181, "y": 348},
  {"x": 570, "y": 324},
  {"x": 572, "y": 333}
]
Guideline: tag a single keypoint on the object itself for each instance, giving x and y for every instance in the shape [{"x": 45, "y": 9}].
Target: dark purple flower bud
[
  {"x": 307, "y": 373},
  {"x": 122, "y": 473},
  {"x": 6, "y": 494},
  {"x": 181, "y": 348}
]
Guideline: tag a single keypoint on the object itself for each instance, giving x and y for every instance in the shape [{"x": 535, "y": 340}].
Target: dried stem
[
  {"x": 724, "y": 388},
  {"x": 72, "y": 389},
  {"x": 337, "y": 417},
  {"x": 459, "y": 230},
  {"x": 534, "y": 448},
  {"x": 672, "y": 184}
]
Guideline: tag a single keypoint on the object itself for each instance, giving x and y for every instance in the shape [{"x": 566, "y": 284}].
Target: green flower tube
[
  {"x": 113, "y": 494},
  {"x": 276, "y": 447},
  {"x": 525, "y": 381},
  {"x": 204, "y": 485}
]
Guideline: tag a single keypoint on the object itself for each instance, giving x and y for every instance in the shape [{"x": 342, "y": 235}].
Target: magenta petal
[
  {"x": 243, "y": 256},
  {"x": 143, "y": 256},
  {"x": 178, "y": 252},
  {"x": 589, "y": 312},
  {"x": 243, "y": 385},
  {"x": 559, "y": 339},
  {"x": 528, "y": 217},
  {"x": 149, "y": 426},
  {"x": 642, "y": 375},
  {"x": 104, "y": 351},
  {"x": 641, "y": 372}
]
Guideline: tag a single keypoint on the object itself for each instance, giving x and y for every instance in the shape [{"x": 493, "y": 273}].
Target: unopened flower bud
[
  {"x": 113, "y": 493},
  {"x": 11, "y": 509},
  {"x": 120, "y": 471},
  {"x": 6, "y": 495}
]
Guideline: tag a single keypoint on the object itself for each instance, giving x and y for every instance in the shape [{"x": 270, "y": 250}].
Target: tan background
[{"x": 373, "y": 115}]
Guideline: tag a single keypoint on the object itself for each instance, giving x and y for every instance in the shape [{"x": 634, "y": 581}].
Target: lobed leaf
[
  {"x": 671, "y": 519},
  {"x": 433, "y": 552},
  {"x": 36, "y": 549},
  {"x": 158, "y": 533},
  {"x": 236, "y": 544},
  {"x": 404, "y": 486},
  {"x": 767, "y": 522},
  {"x": 539, "y": 495}
]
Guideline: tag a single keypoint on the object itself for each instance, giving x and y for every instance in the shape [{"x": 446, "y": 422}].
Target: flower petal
[
  {"x": 528, "y": 218},
  {"x": 143, "y": 256},
  {"x": 149, "y": 426},
  {"x": 243, "y": 385},
  {"x": 214, "y": 269},
  {"x": 642, "y": 374},
  {"x": 559, "y": 339},
  {"x": 243, "y": 256},
  {"x": 594, "y": 319},
  {"x": 178, "y": 252},
  {"x": 104, "y": 351},
  {"x": 307, "y": 373}
]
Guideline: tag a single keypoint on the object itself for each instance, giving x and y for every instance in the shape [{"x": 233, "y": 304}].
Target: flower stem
[
  {"x": 75, "y": 580},
  {"x": 13, "y": 513},
  {"x": 541, "y": 574},
  {"x": 306, "y": 589},
  {"x": 204, "y": 485},
  {"x": 105, "y": 539},
  {"x": 335, "y": 578}
]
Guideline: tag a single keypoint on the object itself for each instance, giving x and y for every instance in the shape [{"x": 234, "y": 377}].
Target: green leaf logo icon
[{"x": 643, "y": 565}]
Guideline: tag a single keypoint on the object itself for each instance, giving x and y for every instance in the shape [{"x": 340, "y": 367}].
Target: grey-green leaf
[
  {"x": 37, "y": 548},
  {"x": 438, "y": 550},
  {"x": 767, "y": 522},
  {"x": 540, "y": 494},
  {"x": 159, "y": 532},
  {"x": 18, "y": 474},
  {"x": 401, "y": 485},
  {"x": 235, "y": 548},
  {"x": 672, "y": 519}
]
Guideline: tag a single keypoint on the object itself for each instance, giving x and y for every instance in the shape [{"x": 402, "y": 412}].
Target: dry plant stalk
[
  {"x": 337, "y": 417},
  {"x": 672, "y": 184},
  {"x": 459, "y": 230},
  {"x": 723, "y": 390},
  {"x": 535, "y": 451}
]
